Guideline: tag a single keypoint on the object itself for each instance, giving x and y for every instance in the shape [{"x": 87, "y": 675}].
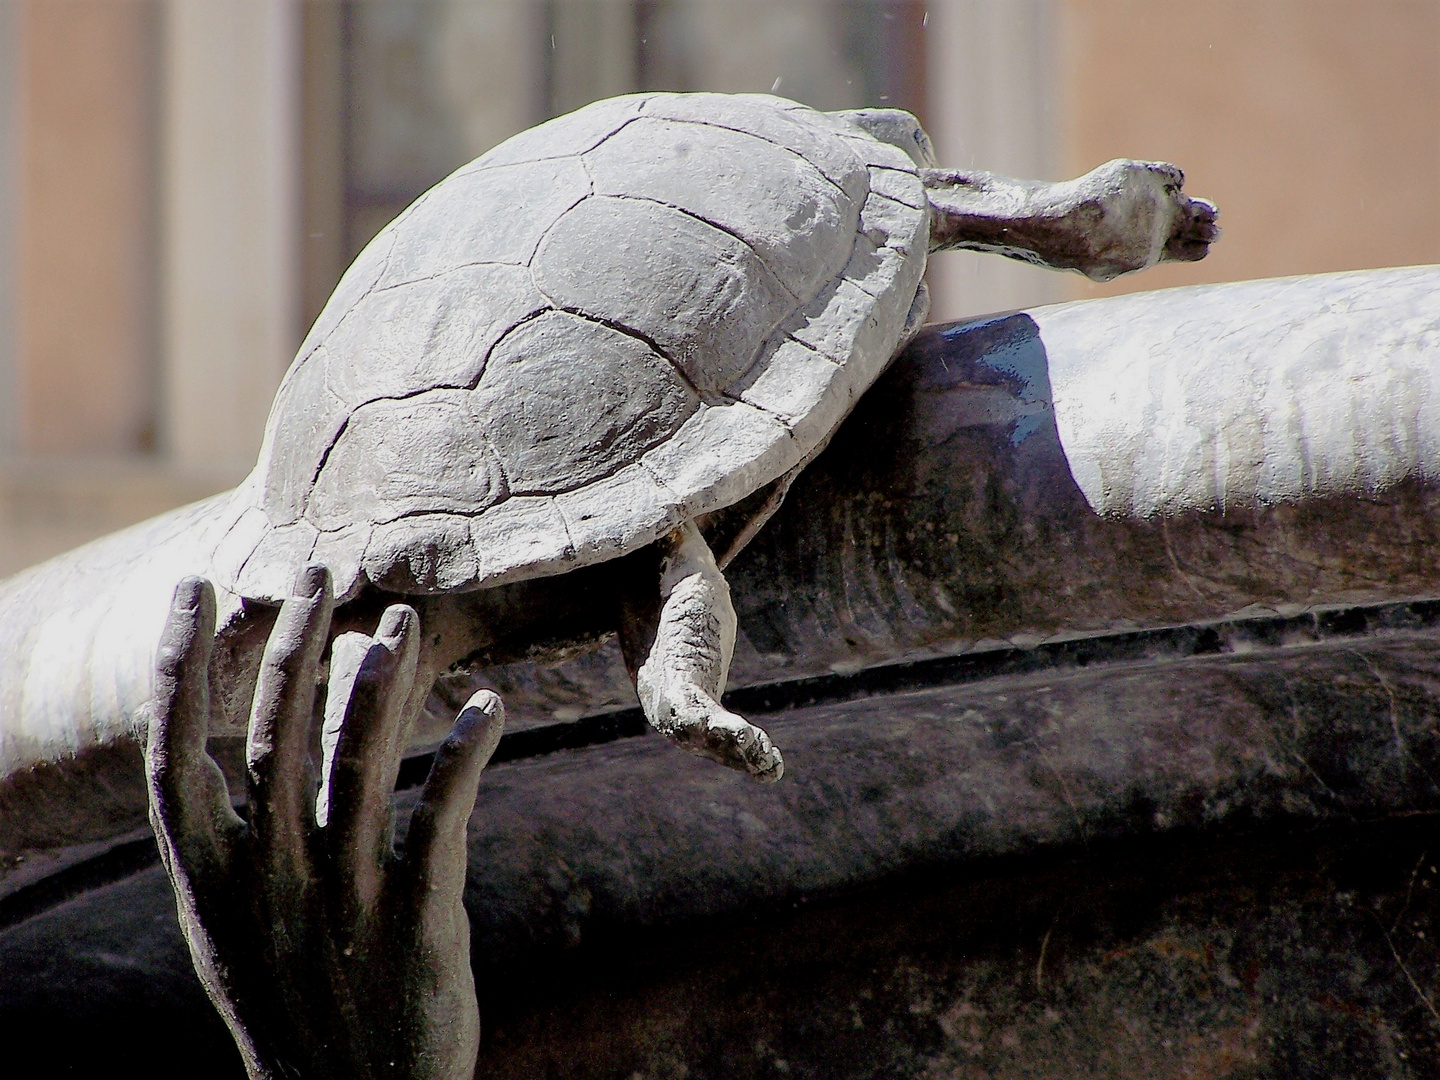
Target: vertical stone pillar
[
  {"x": 9, "y": 213},
  {"x": 323, "y": 255},
  {"x": 84, "y": 330},
  {"x": 230, "y": 314},
  {"x": 992, "y": 105}
]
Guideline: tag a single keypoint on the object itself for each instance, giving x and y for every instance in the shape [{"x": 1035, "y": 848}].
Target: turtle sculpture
[
  {"x": 548, "y": 403},
  {"x": 632, "y": 326}
]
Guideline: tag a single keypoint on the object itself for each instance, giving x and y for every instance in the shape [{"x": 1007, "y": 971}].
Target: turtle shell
[{"x": 621, "y": 319}]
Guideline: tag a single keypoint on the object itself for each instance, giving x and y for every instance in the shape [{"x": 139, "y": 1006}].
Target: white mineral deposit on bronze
[
  {"x": 582, "y": 344},
  {"x": 1249, "y": 394}
]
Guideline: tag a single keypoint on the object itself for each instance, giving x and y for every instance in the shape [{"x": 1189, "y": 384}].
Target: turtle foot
[
  {"x": 681, "y": 660},
  {"x": 697, "y": 724}
]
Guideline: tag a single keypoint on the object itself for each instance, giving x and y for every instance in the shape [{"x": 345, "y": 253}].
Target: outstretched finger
[
  {"x": 277, "y": 745},
  {"x": 189, "y": 802},
  {"x": 435, "y": 845},
  {"x": 364, "y": 715}
]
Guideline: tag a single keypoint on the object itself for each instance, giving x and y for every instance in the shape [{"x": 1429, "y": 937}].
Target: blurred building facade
[{"x": 183, "y": 181}]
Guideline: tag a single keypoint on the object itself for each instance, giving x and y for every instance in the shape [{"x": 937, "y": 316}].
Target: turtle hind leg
[{"x": 678, "y": 643}]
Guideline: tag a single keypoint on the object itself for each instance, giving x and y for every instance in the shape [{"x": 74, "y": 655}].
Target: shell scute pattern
[
  {"x": 493, "y": 216},
  {"x": 757, "y": 115},
  {"x": 565, "y": 136},
  {"x": 835, "y": 319},
  {"x": 872, "y": 267},
  {"x": 721, "y": 455},
  {"x": 432, "y": 333},
  {"x": 879, "y": 155},
  {"x": 418, "y": 454},
  {"x": 239, "y": 542},
  {"x": 425, "y": 553},
  {"x": 886, "y": 222},
  {"x": 596, "y": 532},
  {"x": 355, "y": 283},
  {"x": 902, "y": 185},
  {"x": 525, "y": 536},
  {"x": 279, "y": 550},
  {"x": 702, "y": 296},
  {"x": 315, "y": 417},
  {"x": 342, "y": 551},
  {"x": 794, "y": 385},
  {"x": 557, "y": 424},
  {"x": 792, "y": 217},
  {"x": 584, "y": 338}
]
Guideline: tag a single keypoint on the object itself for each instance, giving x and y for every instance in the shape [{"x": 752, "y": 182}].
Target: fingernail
[
  {"x": 312, "y": 581},
  {"x": 486, "y": 701},
  {"x": 190, "y": 592},
  {"x": 398, "y": 620}
]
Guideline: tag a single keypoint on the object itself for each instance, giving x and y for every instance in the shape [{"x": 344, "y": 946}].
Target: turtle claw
[
  {"x": 696, "y": 723},
  {"x": 738, "y": 744}
]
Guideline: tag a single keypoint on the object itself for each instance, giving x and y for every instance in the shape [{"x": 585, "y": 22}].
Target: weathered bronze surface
[
  {"x": 1075, "y": 824},
  {"x": 1224, "y": 857}
]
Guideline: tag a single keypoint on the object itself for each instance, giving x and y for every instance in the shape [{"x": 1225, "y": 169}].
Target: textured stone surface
[
  {"x": 83, "y": 629},
  {"x": 756, "y": 114},
  {"x": 1270, "y": 957},
  {"x": 889, "y": 222},
  {"x": 81, "y": 635},
  {"x": 356, "y": 282},
  {"x": 342, "y": 549},
  {"x": 966, "y": 522},
  {"x": 277, "y": 549},
  {"x": 793, "y": 386},
  {"x": 493, "y": 215},
  {"x": 423, "y": 553},
  {"x": 523, "y": 532},
  {"x": 839, "y": 314},
  {"x": 902, "y": 185},
  {"x": 873, "y": 267},
  {"x": 564, "y": 136},
  {"x": 316, "y": 417},
  {"x": 943, "y": 517},
  {"x": 723, "y": 453},
  {"x": 247, "y": 526},
  {"x": 1009, "y": 765},
  {"x": 80, "y": 632},
  {"x": 597, "y": 532}
]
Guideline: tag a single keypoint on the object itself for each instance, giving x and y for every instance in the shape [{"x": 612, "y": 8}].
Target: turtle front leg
[
  {"x": 678, "y": 644},
  {"x": 1123, "y": 216}
]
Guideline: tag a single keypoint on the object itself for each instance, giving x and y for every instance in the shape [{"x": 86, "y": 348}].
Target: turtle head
[{"x": 896, "y": 127}]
